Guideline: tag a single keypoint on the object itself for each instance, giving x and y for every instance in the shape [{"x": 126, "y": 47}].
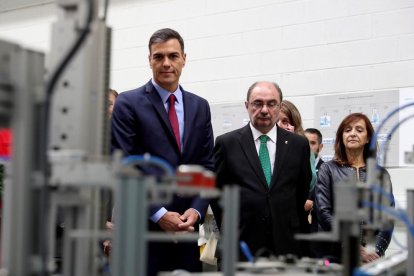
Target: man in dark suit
[
  {"x": 163, "y": 119},
  {"x": 271, "y": 167},
  {"x": 315, "y": 142}
]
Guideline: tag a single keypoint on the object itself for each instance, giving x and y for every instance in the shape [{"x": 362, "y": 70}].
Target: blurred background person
[
  {"x": 353, "y": 138},
  {"x": 112, "y": 95},
  {"x": 107, "y": 195},
  {"x": 291, "y": 120},
  {"x": 315, "y": 143}
]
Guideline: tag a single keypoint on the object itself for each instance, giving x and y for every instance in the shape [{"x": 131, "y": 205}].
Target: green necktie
[{"x": 265, "y": 159}]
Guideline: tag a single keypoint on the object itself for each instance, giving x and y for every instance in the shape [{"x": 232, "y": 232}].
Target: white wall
[{"x": 309, "y": 47}]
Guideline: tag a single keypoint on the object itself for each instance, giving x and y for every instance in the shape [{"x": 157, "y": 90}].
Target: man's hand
[
  {"x": 308, "y": 205},
  {"x": 107, "y": 245},
  {"x": 109, "y": 226},
  {"x": 170, "y": 222},
  {"x": 189, "y": 218},
  {"x": 367, "y": 256}
]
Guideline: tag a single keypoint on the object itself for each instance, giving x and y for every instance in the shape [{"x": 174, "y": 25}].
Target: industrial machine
[{"x": 61, "y": 171}]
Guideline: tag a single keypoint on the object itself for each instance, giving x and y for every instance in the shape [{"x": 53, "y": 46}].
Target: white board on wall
[
  {"x": 330, "y": 110},
  {"x": 226, "y": 117}
]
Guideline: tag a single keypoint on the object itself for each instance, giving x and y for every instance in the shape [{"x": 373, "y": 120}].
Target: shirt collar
[
  {"x": 165, "y": 94},
  {"x": 317, "y": 158},
  {"x": 272, "y": 134}
]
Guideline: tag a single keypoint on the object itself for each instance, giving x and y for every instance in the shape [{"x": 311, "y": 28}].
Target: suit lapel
[
  {"x": 282, "y": 148},
  {"x": 189, "y": 116},
  {"x": 249, "y": 149},
  {"x": 156, "y": 101}
]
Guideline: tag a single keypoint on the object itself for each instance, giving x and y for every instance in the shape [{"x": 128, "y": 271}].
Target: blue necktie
[{"x": 264, "y": 158}]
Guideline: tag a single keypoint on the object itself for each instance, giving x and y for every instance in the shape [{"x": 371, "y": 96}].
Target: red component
[
  {"x": 5, "y": 142},
  {"x": 195, "y": 176}
]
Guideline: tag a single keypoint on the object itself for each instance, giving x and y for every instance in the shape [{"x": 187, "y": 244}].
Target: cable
[
  {"x": 149, "y": 159},
  {"x": 397, "y": 213},
  {"x": 381, "y": 191},
  {"x": 43, "y": 135},
  {"x": 246, "y": 251},
  {"x": 374, "y": 137},
  {"x": 105, "y": 10},
  {"x": 75, "y": 47},
  {"x": 384, "y": 146}
]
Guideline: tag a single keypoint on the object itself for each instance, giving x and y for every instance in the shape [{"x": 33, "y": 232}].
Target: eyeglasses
[{"x": 260, "y": 105}]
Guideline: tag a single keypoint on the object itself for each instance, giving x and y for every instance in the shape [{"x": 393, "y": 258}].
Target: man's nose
[
  {"x": 265, "y": 109},
  {"x": 166, "y": 62}
]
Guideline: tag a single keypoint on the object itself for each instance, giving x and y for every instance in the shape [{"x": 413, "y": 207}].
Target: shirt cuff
[
  {"x": 199, "y": 215},
  {"x": 158, "y": 215}
]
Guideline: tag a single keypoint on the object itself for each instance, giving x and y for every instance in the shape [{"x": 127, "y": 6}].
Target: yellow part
[{"x": 202, "y": 248}]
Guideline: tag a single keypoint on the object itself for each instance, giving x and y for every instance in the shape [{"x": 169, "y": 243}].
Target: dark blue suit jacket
[{"x": 140, "y": 125}]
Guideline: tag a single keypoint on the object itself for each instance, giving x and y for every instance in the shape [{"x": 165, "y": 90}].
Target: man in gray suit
[{"x": 271, "y": 167}]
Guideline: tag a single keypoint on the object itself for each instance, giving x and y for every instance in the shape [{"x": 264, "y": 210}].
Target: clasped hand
[
  {"x": 174, "y": 222},
  {"x": 169, "y": 222}
]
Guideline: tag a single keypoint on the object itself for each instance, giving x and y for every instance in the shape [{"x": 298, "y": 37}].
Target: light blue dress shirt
[{"x": 179, "y": 106}]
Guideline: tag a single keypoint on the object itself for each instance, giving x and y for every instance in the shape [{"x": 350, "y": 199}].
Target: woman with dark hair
[{"x": 351, "y": 152}]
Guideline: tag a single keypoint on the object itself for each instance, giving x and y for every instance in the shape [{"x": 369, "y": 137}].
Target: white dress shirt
[{"x": 271, "y": 142}]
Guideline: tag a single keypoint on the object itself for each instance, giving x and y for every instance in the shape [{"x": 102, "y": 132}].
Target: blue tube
[
  {"x": 389, "y": 136},
  {"x": 246, "y": 251},
  {"x": 397, "y": 213},
  {"x": 374, "y": 137},
  {"x": 383, "y": 192},
  {"x": 148, "y": 159}
]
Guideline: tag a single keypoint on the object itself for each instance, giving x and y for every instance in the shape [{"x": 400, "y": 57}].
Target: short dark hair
[
  {"x": 164, "y": 35},
  {"x": 340, "y": 153},
  {"x": 249, "y": 91},
  {"x": 315, "y": 131}
]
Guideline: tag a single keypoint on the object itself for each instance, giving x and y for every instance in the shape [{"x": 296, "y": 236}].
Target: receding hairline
[{"x": 275, "y": 85}]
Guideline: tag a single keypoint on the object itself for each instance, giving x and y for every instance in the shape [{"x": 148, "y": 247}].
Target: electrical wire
[
  {"x": 397, "y": 213},
  {"x": 391, "y": 198},
  {"x": 149, "y": 160},
  {"x": 381, "y": 191},
  {"x": 43, "y": 135},
  {"x": 375, "y": 136},
  {"x": 106, "y": 3},
  {"x": 75, "y": 47},
  {"x": 384, "y": 146}
]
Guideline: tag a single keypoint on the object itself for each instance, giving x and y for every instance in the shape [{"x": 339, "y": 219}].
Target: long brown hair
[
  {"x": 340, "y": 153},
  {"x": 293, "y": 114}
]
